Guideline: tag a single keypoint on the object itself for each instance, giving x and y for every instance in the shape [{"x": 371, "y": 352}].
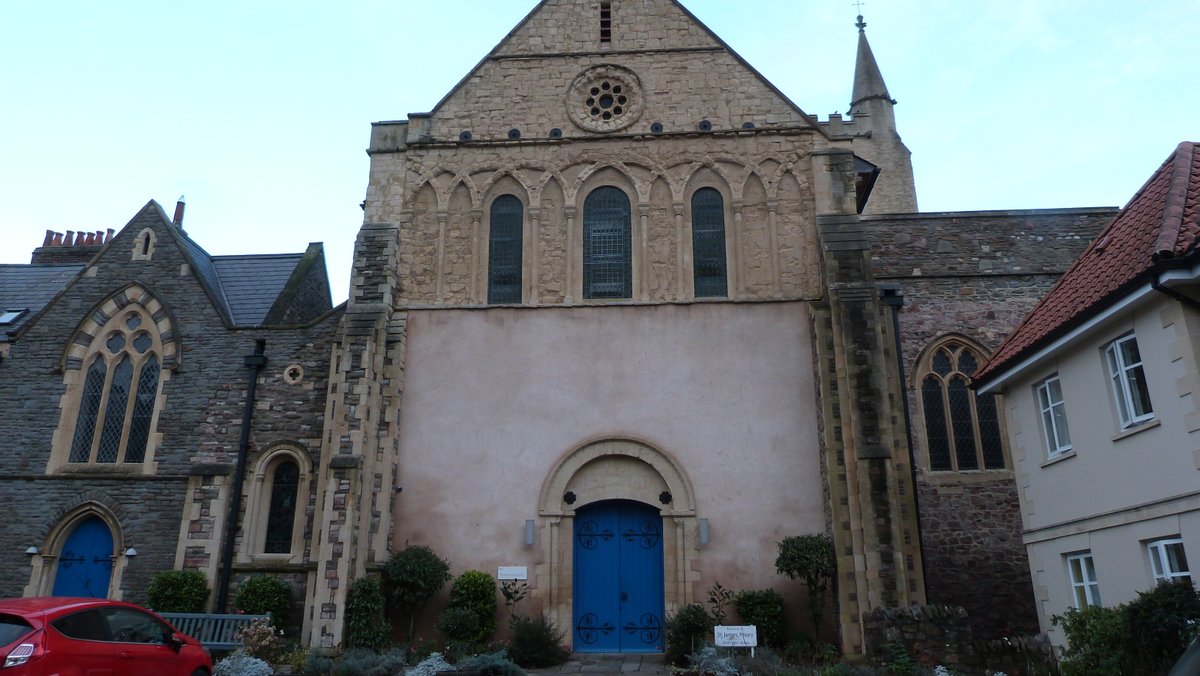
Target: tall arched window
[
  {"x": 607, "y": 245},
  {"x": 116, "y": 404},
  {"x": 708, "y": 243},
  {"x": 504, "y": 250},
  {"x": 962, "y": 431},
  {"x": 281, "y": 516}
]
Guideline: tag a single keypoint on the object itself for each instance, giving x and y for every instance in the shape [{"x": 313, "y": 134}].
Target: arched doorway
[
  {"x": 618, "y": 578},
  {"x": 86, "y": 560}
]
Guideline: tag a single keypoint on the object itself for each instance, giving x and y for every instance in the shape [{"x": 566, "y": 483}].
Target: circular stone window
[
  {"x": 293, "y": 374},
  {"x": 605, "y": 99}
]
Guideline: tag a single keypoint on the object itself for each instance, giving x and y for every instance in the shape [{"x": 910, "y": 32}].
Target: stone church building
[{"x": 622, "y": 317}]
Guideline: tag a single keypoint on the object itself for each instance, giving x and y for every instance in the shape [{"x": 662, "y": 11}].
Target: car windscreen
[{"x": 12, "y": 628}]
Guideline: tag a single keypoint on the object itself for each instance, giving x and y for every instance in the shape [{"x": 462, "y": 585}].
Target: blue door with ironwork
[
  {"x": 618, "y": 578},
  {"x": 85, "y": 562}
]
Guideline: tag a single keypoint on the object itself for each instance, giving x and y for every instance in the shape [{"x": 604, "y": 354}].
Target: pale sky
[{"x": 259, "y": 111}]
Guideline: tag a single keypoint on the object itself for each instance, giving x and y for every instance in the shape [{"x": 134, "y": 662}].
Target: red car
[{"x": 65, "y": 636}]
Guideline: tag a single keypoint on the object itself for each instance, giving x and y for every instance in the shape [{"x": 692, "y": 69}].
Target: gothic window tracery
[
  {"x": 962, "y": 429},
  {"x": 117, "y": 400}
]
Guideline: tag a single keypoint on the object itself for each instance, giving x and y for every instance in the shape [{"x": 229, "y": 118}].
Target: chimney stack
[{"x": 178, "y": 220}]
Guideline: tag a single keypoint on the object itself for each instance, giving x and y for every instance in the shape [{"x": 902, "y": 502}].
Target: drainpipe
[
  {"x": 891, "y": 296},
  {"x": 254, "y": 364}
]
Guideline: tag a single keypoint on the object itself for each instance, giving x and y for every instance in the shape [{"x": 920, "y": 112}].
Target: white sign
[
  {"x": 736, "y": 637},
  {"x": 512, "y": 573}
]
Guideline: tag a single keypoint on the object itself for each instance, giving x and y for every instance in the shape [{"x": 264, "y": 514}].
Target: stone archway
[{"x": 607, "y": 470}]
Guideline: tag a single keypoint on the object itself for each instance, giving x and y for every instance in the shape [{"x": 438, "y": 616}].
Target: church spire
[{"x": 868, "y": 81}]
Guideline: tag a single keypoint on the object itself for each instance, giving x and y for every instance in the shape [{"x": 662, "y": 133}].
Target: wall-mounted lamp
[
  {"x": 32, "y": 551},
  {"x": 530, "y": 536},
  {"x": 131, "y": 552},
  {"x": 703, "y": 531}
]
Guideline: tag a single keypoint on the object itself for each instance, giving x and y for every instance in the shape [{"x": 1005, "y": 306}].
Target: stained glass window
[
  {"x": 285, "y": 482},
  {"x": 962, "y": 429},
  {"x": 708, "y": 243},
  {"x": 607, "y": 245},
  {"x": 504, "y": 250}
]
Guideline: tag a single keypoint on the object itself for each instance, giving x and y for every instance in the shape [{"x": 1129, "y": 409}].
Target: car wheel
[{"x": 200, "y": 672}]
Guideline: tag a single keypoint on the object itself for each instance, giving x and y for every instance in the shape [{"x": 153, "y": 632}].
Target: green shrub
[
  {"x": 459, "y": 625},
  {"x": 536, "y": 642},
  {"x": 709, "y": 660},
  {"x": 475, "y": 591},
  {"x": 238, "y": 663},
  {"x": 430, "y": 666},
  {"x": 811, "y": 558},
  {"x": 178, "y": 591},
  {"x": 1095, "y": 641},
  {"x": 366, "y": 626},
  {"x": 259, "y": 640},
  {"x": 263, "y": 594},
  {"x": 1159, "y": 624},
  {"x": 412, "y": 576},
  {"x": 764, "y": 609},
  {"x": 687, "y": 631},
  {"x": 491, "y": 664}
]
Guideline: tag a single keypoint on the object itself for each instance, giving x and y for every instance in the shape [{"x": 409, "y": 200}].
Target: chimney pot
[
  {"x": 178, "y": 220},
  {"x": 49, "y": 238},
  {"x": 108, "y": 238},
  {"x": 90, "y": 239},
  {"x": 69, "y": 239},
  {"x": 57, "y": 239}
]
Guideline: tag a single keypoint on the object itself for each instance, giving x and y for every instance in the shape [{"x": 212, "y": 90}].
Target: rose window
[{"x": 605, "y": 98}]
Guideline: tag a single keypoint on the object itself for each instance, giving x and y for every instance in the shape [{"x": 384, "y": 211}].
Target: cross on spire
[{"x": 861, "y": 24}]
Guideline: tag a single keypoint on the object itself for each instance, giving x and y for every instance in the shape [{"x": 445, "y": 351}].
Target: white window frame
[
  {"x": 1054, "y": 418},
  {"x": 1085, "y": 589},
  {"x": 1163, "y": 566},
  {"x": 1122, "y": 374}
]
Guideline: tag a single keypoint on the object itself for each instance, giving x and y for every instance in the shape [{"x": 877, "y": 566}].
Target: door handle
[{"x": 125, "y": 654}]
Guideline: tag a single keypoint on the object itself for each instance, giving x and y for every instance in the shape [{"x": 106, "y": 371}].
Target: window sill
[
  {"x": 1059, "y": 458},
  {"x": 1134, "y": 429}
]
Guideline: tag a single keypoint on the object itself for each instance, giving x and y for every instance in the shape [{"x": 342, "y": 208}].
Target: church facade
[{"x": 622, "y": 317}]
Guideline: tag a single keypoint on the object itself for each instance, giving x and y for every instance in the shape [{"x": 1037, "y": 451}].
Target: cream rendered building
[
  {"x": 613, "y": 324},
  {"x": 1100, "y": 386}
]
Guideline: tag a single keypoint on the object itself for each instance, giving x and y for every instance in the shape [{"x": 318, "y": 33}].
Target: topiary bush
[
  {"x": 813, "y": 559},
  {"x": 411, "y": 577},
  {"x": 178, "y": 591},
  {"x": 475, "y": 591},
  {"x": 1095, "y": 641},
  {"x": 764, "y": 609},
  {"x": 536, "y": 642},
  {"x": 366, "y": 626},
  {"x": 265, "y": 594},
  {"x": 687, "y": 631},
  {"x": 1159, "y": 624},
  {"x": 460, "y": 626}
]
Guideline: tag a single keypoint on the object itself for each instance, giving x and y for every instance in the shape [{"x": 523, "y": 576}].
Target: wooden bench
[{"x": 214, "y": 630}]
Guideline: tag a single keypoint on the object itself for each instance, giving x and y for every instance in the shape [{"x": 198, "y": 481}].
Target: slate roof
[
  {"x": 252, "y": 283},
  {"x": 1161, "y": 223},
  {"x": 31, "y": 287}
]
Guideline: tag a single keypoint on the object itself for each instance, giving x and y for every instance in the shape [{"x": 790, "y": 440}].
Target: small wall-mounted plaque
[
  {"x": 512, "y": 573},
  {"x": 736, "y": 637}
]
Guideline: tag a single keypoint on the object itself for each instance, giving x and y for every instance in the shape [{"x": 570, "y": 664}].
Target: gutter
[{"x": 254, "y": 363}]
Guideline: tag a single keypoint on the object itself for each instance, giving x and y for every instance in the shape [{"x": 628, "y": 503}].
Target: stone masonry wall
[
  {"x": 973, "y": 275},
  {"x": 446, "y": 191}
]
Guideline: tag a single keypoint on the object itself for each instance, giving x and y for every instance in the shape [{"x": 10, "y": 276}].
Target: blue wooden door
[
  {"x": 85, "y": 562},
  {"x": 618, "y": 596}
]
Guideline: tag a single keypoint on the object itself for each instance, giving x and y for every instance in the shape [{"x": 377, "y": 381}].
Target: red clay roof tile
[{"x": 1161, "y": 221}]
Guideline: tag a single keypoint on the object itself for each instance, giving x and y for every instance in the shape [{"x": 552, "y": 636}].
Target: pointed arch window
[
  {"x": 708, "y": 243},
  {"x": 607, "y": 245},
  {"x": 504, "y": 250},
  {"x": 120, "y": 389},
  {"x": 962, "y": 429},
  {"x": 281, "y": 517}
]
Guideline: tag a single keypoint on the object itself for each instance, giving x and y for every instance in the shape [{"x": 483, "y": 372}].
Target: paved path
[{"x": 599, "y": 665}]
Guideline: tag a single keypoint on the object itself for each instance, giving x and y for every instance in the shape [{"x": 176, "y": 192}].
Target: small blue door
[
  {"x": 85, "y": 562},
  {"x": 618, "y": 578}
]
